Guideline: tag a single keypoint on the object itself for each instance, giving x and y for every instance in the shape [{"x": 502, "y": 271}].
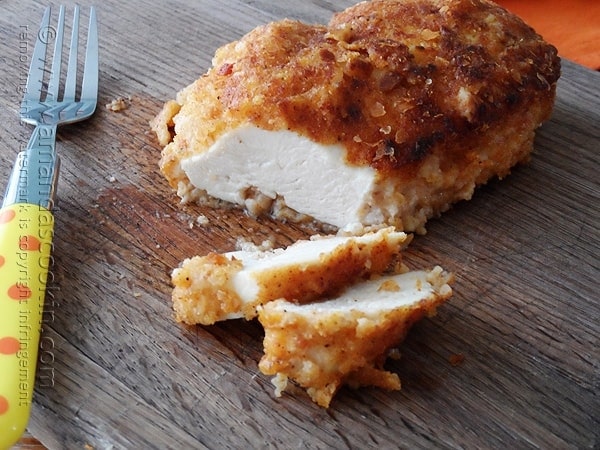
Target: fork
[{"x": 26, "y": 219}]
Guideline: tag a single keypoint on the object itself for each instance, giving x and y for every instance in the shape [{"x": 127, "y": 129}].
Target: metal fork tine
[
  {"x": 54, "y": 83},
  {"x": 41, "y": 105},
  {"x": 89, "y": 88},
  {"x": 33, "y": 88},
  {"x": 71, "y": 82}
]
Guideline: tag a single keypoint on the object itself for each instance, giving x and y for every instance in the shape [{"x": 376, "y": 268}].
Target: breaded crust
[
  {"x": 205, "y": 289},
  {"x": 411, "y": 88},
  {"x": 323, "y": 346}
]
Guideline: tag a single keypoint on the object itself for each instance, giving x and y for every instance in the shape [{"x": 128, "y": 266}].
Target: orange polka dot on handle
[
  {"x": 7, "y": 215},
  {"x": 19, "y": 291},
  {"x": 9, "y": 345},
  {"x": 29, "y": 243},
  {"x": 3, "y": 405},
  {"x": 2, "y": 260}
]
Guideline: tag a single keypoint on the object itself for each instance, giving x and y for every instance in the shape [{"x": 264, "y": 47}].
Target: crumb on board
[
  {"x": 118, "y": 104},
  {"x": 202, "y": 220},
  {"x": 248, "y": 246}
]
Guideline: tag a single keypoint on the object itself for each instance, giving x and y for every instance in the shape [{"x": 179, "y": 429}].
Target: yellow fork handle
[{"x": 26, "y": 232}]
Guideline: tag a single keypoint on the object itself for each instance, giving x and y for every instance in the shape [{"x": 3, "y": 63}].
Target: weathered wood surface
[{"x": 117, "y": 372}]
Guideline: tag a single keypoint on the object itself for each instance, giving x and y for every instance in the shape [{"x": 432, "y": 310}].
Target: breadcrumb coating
[
  {"x": 346, "y": 340},
  {"x": 438, "y": 96},
  {"x": 215, "y": 287}
]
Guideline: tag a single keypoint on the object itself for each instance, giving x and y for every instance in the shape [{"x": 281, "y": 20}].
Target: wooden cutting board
[{"x": 512, "y": 361}]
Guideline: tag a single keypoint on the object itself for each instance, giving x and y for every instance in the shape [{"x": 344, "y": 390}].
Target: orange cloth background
[{"x": 572, "y": 26}]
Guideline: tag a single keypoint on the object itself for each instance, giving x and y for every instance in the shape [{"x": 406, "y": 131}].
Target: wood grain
[{"x": 117, "y": 372}]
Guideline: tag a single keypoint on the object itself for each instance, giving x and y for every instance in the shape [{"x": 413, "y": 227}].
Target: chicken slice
[
  {"x": 345, "y": 340},
  {"x": 231, "y": 285}
]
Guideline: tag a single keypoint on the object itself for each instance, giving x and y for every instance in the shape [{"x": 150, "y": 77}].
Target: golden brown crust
[
  {"x": 201, "y": 278},
  {"x": 334, "y": 271},
  {"x": 205, "y": 292},
  {"x": 451, "y": 69},
  {"x": 392, "y": 80},
  {"x": 163, "y": 123},
  {"x": 437, "y": 96},
  {"x": 342, "y": 346}
]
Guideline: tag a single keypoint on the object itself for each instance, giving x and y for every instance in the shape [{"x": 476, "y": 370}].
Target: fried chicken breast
[
  {"x": 384, "y": 117},
  {"x": 389, "y": 114},
  {"x": 345, "y": 340}
]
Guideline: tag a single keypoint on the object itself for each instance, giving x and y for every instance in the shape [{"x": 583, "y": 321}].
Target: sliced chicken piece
[
  {"x": 387, "y": 115},
  {"x": 231, "y": 285},
  {"x": 345, "y": 340}
]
